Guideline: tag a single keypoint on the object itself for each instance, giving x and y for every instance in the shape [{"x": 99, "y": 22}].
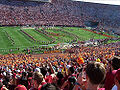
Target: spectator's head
[
  {"x": 44, "y": 71},
  {"x": 59, "y": 78},
  {"x": 23, "y": 81},
  {"x": 95, "y": 72},
  {"x": 71, "y": 70},
  {"x": 72, "y": 81},
  {"x": 116, "y": 63},
  {"x": 37, "y": 78},
  {"x": 24, "y": 74},
  {"x": 59, "y": 75},
  {"x": 49, "y": 86}
]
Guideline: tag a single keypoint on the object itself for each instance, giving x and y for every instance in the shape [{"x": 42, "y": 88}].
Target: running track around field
[{"x": 99, "y": 33}]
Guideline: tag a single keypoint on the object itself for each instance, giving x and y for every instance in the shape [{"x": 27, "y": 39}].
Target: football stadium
[{"x": 59, "y": 45}]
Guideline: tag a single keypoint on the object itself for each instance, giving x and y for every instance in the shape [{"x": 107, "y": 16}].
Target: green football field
[{"x": 17, "y": 39}]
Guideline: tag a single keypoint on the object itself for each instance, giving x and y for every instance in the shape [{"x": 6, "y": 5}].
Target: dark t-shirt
[{"x": 11, "y": 87}]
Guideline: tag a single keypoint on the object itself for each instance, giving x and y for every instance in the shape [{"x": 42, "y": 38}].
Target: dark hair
[
  {"x": 5, "y": 82},
  {"x": 43, "y": 71},
  {"x": 30, "y": 74},
  {"x": 96, "y": 72},
  {"x": 49, "y": 70},
  {"x": 60, "y": 76},
  {"x": 72, "y": 81},
  {"x": 116, "y": 63},
  {"x": 30, "y": 69},
  {"x": 72, "y": 70},
  {"x": 23, "y": 81},
  {"x": 49, "y": 86},
  {"x": 24, "y": 74}
]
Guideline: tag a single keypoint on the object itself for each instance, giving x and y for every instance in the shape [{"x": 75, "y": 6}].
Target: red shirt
[
  {"x": 20, "y": 87},
  {"x": 48, "y": 79},
  {"x": 1, "y": 76},
  {"x": 109, "y": 80}
]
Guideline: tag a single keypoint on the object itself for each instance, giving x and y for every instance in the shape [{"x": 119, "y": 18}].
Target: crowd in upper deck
[{"x": 64, "y": 12}]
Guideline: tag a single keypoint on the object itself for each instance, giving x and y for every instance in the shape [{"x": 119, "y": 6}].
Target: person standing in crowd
[
  {"x": 70, "y": 78},
  {"x": 38, "y": 81},
  {"x": 114, "y": 66},
  {"x": 95, "y": 74}
]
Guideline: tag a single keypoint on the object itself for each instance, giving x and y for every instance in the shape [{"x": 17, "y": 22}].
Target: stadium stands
[
  {"x": 65, "y": 12},
  {"x": 61, "y": 70},
  {"x": 86, "y": 68}
]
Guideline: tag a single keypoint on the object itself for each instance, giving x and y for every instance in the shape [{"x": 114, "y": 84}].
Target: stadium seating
[
  {"x": 79, "y": 67},
  {"x": 65, "y": 12}
]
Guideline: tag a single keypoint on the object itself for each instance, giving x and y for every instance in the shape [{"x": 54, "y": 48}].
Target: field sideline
[{"x": 21, "y": 38}]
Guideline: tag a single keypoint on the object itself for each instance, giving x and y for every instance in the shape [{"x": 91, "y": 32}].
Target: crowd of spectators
[
  {"x": 65, "y": 12},
  {"x": 95, "y": 68}
]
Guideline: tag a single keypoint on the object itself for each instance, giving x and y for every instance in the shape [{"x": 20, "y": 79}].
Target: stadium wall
[{"x": 35, "y": 0}]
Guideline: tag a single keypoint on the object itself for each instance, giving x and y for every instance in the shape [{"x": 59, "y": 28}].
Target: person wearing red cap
[{"x": 117, "y": 80}]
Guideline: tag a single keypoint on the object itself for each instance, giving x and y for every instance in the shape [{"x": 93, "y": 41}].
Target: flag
[{"x": 80, "y": 60}]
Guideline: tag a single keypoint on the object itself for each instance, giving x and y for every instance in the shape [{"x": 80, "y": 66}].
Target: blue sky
[{"x": 114, "y": 2}]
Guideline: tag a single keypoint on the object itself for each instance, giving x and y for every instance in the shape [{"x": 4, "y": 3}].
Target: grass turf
[{"x": 22, "y": 41}]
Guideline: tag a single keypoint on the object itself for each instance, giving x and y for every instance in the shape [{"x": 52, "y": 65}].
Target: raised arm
[{"x": 51, "y": 68}]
